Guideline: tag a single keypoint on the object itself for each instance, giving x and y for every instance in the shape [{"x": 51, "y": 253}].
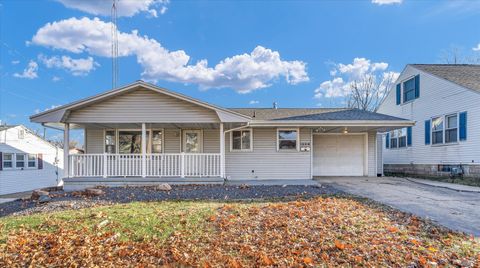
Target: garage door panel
[{"x": 338, "y": 155}]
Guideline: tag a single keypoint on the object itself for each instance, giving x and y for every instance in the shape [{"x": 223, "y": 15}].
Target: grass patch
[
  {"x": 137, "y": 221},
  {"x": 470, "y": 181}
]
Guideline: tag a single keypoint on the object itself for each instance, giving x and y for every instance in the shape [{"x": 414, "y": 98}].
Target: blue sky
[{"x": 229, "y": 53}]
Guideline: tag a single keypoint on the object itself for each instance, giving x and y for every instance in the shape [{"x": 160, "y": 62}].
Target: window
[
  {"x": 451, "y": 130},
  {"x": 19, "y": 160},
  {"x": 7, "y": 160},
  {"x": 437, "y": 130},
  {"x": 287, "y": 139},
  {"x": 398, "y": 138},
  {"x": 32, "y": 161},
  {"x": 393, "y": 139},
  {"x": 110, "y": 141},
  {"x": 402, "y": 138},
  {"x": 241, "y": 140},
  {"x": 130, "y": 141},
  {"x": 21, "y": 134},
  {"x": 157, "y": 137},
  {"x": 409, "y": 90}
]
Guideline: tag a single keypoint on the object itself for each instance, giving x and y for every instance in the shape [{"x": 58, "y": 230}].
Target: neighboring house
[
  {"x": 76, "y": 151},
  {"x": 143, "y": 134},
  {"x": 27, "y": 161},
  {"x": 444, "y": 101}
]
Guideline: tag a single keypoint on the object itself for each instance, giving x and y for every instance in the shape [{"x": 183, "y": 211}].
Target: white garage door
[{"x": 338, "y": 155}]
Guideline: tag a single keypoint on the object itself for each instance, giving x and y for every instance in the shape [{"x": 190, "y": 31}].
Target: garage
[{"x": 339, "y": 155}]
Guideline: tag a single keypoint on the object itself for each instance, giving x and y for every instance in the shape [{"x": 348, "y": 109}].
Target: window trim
[
  {"x": 444, "y": 117},
  {"x": 12, "y": 161},
  {"x": 241, "y": 150},
  {"x": 446, "y": 128},
  {"x": 35, "y": 160},
  {"x": 297, "y": 140},
  {"x": 25, "y": 155}
]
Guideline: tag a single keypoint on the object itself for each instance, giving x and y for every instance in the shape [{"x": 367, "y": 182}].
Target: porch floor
[{"x": 80, "y": 183}]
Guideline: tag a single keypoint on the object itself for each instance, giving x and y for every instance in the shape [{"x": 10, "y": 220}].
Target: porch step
[{"x": 81, "y": 183}]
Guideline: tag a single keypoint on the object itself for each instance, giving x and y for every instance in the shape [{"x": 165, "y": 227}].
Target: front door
[{"x": 192, "y": 141}]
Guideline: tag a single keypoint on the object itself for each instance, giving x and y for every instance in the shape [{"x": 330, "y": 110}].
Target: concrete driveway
[{"x": 458, "y": 210}]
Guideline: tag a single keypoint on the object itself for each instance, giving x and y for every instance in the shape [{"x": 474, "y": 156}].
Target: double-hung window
[
  {"x": 32, "y": 161},
  {"x": 451, "y": 130},
  {"x": 409, "y": 90},
  {"x": 20, "y": 160},
  {"x": 393, "y": 139},
  {"x": 287, "y": 139},
  {"x": 7, "y": 160},
  {"x": 241, "y": 140},
  {"x": 437, "y": 130},
  {"x": 157, "y": 138},
  {"x": 402, "y": 138},
  {"x": 110, "y": 141}
]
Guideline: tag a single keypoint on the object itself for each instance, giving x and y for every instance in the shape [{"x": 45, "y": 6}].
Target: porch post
[
  {"x": 66, "y": 149},
  {"x": 222, "y": 151},
  {"x": 144, "y": 150}
]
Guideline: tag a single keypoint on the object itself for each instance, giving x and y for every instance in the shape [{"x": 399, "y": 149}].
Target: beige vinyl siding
[
  {"x": 211, "y": 141},
  {"x": 437, "y": 97},
  {"x": 143, "y": 105},
  {"x": 94, "y": 141},
  {"x": 265, "y": 160},
  {"x": 172, "y": 141}
]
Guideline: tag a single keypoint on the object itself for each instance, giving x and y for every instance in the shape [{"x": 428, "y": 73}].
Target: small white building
[
  {"x": 27, "y": 161},
  {"x": 444, "y": 101}
]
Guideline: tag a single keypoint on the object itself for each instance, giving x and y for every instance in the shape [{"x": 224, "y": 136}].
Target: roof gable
[{"x": 465, "y": 75}]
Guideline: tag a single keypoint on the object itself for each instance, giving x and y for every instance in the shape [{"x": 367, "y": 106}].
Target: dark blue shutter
[
  {"x": 1, "y": 161},
  {"x": 409, "y": 136},
  {"x": 427, "y": 132},
  {"x": 399, "y": 94},
  {"x": 387, "y": 141},
  {"x": 463, "y": 126},
  {"x": 417, "y": 86}
]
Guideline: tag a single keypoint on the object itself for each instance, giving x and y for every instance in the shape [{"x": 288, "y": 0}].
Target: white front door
[
  {"x": 192, "y": 141},
  {"x": 339, "y": 155}
]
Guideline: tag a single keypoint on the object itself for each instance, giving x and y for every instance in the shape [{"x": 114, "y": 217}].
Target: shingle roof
[
  {"x": 466, "y": 75},
  {"x": 313, "y": 114}
]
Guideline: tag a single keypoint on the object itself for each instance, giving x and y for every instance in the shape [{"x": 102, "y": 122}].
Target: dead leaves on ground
[{"x": 317, "y": 232}]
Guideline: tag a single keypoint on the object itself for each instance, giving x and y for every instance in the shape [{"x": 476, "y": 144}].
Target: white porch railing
[{"x": 156, "y": 165}]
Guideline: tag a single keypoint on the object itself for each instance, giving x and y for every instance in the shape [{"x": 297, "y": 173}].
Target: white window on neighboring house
[
  {"x": 32, "y": 160},
  {"x": 451, "y": 130},
  {"x": 20, "y": 160},
  {"x": 21, "y": 134},
  {"x": 287, "y": 139},
  {"x": 437, "y": 130},
  {"x": 241, "y": 140},
  {"x": 7, "y": 160}
]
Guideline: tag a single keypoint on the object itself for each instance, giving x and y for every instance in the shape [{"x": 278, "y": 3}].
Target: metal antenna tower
[{"x": 114, "y": 36}]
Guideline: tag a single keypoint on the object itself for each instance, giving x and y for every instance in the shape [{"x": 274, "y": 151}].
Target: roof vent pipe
[{"x": 275, "y": 106}]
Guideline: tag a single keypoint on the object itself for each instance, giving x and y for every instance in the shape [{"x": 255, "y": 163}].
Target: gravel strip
[{"x": 63, "y": 200}]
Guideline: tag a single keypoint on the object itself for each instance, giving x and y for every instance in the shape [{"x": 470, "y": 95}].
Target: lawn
[{"x": 324, "y": 231}]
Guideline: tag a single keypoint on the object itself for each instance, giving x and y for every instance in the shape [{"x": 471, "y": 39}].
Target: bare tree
[
  {"x": 367, "y": 92},
  {"x": 59, "y": 143},
  {"x": 455, "y": 55}
]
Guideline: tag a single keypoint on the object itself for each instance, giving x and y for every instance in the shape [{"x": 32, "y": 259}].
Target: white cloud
[
  {"x": 75, "y": 66},
  {"x": 477, "y": 48},
  {"x": 386, "y": 2},
  {"x": 15, "y": 62},
  {"x": 125, "y": 8},
  {"x": 244, "y": 73},
  {"x": 56, "y": 79},
  {"x": 253, "y": 102},
  {"x": 30, "y": 72},
  {"x": 343, "y": 75}
]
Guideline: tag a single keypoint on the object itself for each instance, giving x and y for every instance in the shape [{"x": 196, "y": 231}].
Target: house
[
  {"x": 444, "y": 101},
  {"x": 143, "y": 134},
  {"x": 27, "y": 161}
]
